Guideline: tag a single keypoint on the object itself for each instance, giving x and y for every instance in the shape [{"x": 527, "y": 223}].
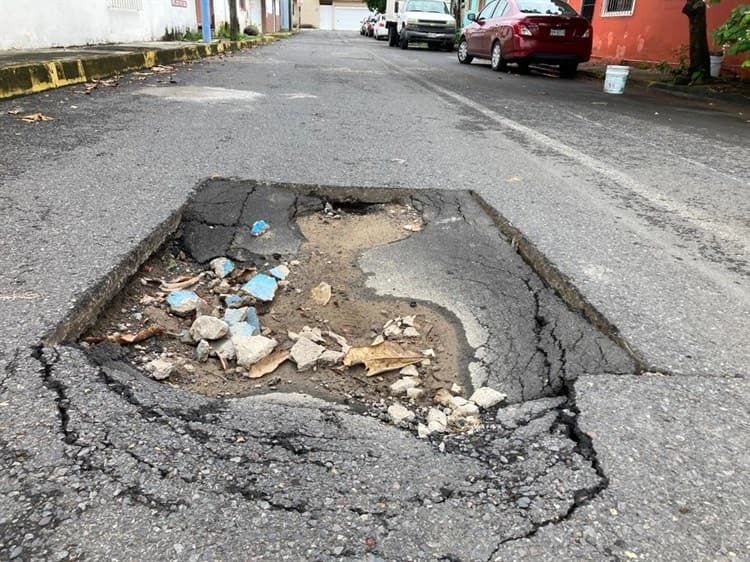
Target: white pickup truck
[{"x": 420, "y": 21}]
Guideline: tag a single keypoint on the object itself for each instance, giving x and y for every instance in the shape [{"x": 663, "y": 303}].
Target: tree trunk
[
  {"x": 234, "y": 22},
  {"x": 695, "y": 10}
]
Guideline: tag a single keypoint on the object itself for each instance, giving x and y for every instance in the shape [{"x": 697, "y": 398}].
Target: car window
[
  {"x": 546, "y": 7},
  {"x": 434, "y": 6},
  {"x": 501, "y": 8},
  {"x": 487, "y": 11}
]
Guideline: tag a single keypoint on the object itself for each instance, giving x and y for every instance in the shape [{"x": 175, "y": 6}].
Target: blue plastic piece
[
  {"x": 227, "y": 267},
  {"x": 253, "y": 320},
  {"x": 179, "y": 299},
  {"x": 232, "y": 300},
  {"x": 261, "y": 286},
  {"x": 241, "y": 330},
  {"x": 259, "y": 227}
]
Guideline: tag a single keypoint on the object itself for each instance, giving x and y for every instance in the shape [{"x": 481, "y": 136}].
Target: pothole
[{"x": 321, "y": 333}]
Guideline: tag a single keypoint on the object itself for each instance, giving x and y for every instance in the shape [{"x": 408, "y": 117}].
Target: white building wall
[
  {"x": 250, "y": 15},
  {"x": 31, "y": 24}
]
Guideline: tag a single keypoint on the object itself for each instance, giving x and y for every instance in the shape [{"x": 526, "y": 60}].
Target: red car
[{"x": 527, "y": 31}]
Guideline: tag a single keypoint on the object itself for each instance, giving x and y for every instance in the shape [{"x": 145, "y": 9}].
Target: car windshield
[
  {"x": 434, "y": 6},
  {"x": 546, "y": 7}
]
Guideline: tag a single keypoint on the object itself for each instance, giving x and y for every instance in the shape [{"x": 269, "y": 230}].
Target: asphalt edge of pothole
[{"x": 564, "y": 288}]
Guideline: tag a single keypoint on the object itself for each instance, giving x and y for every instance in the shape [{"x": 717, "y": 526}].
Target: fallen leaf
[
  {"x": 180, "y": 283},
  {"x": 163, "y": 68},
  {"x": 127, "y": 339},
  {"x": 321, "y": 294},
  {"x": 385, "y": 356},
  {"x": 35, "y": 117},
  {"x": 268, "y": 364}
]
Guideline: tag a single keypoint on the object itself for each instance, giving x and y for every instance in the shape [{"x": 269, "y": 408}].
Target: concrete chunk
[
  {"x": 487, "y": 397},
  {"x": 251, "y": 349},
  {"x": 208, "y": 328},
  {"x": 305, "y": 353}
]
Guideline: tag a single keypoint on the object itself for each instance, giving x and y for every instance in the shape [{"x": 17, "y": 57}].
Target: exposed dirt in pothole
[{"x": 333, "y": 242}]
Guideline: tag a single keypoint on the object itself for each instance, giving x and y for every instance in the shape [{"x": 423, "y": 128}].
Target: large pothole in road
[{"x": 395, "y": 299}]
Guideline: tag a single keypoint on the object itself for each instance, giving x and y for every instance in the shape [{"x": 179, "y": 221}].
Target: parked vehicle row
[{"x": 522, "y": 32}]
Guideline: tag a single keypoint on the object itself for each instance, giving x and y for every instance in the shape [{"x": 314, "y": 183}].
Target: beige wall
[{"x": 311, "y": 10}]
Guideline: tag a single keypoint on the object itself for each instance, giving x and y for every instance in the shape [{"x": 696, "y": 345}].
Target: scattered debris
[
  {"x": 127, "y": 339},
  {"x": 181, "y": 283},
  {"x": 34, "y": 117},
  {"x": 208, "y": 328},
  {"x": 386, "y": 356},
  {"x": 261, "y": 286},
  {"x": 399, "y": 414},
  {"x": 401, "y": 386},
  {"x": 222, "y": 267},
  {"x": 437, "y": 421},
  {"x": 259, "y": 228},
  {"x": 268, "y": 364},
  {"x": 413, "y": 227},
  {"x": 202, "y": 351},
  {"x": 321, "y": 294},
  {"x": 280, "y": 272},
  {"x": 305, "y": 353},
  {"x": 183, "y": 303},
  {"x": 487, "y": 397},
  {"x": 160, "y": 369},
  {"x": 251, "y": 349},
  {"x": 410, "y": 332}
]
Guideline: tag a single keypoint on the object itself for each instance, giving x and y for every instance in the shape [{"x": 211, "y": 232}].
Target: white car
[{"x": 379, "y": 30}]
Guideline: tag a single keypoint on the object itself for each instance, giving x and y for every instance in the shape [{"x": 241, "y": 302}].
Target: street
[{"x": 637, "y": 204}]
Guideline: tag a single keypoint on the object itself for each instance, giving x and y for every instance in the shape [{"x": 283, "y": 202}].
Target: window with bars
[
  {"x": 618, "y": 7},
  {"x": 135, "y": 5}
]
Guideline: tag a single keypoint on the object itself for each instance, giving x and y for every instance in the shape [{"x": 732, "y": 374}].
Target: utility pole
[{"x": 206, "y": 20}]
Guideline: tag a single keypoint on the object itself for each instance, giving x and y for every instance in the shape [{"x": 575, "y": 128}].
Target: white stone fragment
[
  {"x": 437, "y": 421},
  {"x": 208, "y": 328},
  {"x": 392, "y": 331},
  {"x": 466, "y": 410},
  {"x": 251, "y": 349},
  {"x": 400, "y": 386},
  {"x": 410, "y": 332},
  {"x": 409, "y": 371},
  {"x": 399, "y": 413},
  {"x": 160, "y": 369},
  {"x": 331, "y": 357},
  {"x": 408, "y": 320},
  {"x": 414, "y": 393},
  {"x": 487, "y": 397},
  {"x": 305, "y": 353},
  {"x": 457, "y": 389}
]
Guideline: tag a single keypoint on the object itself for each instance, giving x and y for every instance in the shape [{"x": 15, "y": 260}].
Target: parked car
[
  {"x": 379, "y": 30},
  {"x": 371, "y": 25},
  {"x": 363, "y": 25},
  {"x": 426, "y": 21},
  {"x": 527, "y": 31}
]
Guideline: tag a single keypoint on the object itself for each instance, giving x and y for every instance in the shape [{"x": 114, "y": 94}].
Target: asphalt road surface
[{"x": 640, "y": 200}]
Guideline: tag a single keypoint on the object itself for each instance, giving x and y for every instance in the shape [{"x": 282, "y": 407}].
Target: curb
[{"x": 21, "y": 80}]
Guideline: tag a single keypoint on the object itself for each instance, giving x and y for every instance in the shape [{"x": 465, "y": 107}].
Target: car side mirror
[{"x": 471, "y": 16}]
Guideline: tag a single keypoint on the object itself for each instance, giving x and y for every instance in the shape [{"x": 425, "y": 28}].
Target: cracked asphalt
[{"x": 592, "y": 461}]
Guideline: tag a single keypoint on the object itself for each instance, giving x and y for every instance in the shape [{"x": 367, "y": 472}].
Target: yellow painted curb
[{"x": 24, "y": 79}]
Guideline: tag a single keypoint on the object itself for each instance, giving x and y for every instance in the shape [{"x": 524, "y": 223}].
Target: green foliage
[
  {"x": 191, "y": 35},
  {"x": 176, "y": 34},
  {"x": 735, "y": 32},
  {"x": 376, "y": 6}
]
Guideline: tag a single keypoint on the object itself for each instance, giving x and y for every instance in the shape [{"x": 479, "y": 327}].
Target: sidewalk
[
  {"x": 25, "y": 72},
  {"x": 729, "y": 91}
]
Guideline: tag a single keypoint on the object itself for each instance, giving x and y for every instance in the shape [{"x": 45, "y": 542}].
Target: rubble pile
[{"x": 218, "y": 314}]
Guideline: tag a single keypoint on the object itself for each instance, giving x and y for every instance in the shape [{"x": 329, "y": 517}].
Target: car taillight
[
  {"x": 586, "y": 34},
  {"x": 521, "y": 29}
]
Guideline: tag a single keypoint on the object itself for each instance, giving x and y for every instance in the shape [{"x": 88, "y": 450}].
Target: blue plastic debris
[
  {"x": 233, "y": 301},
  {"x": 253, "y": 320},
  {"x": 259, "y": 228},
  {"x": 242, "y": 330},
  {"x": 222, "y": 267},
  {"x": 261, "y": 286},
  {"x": 235, "y": 315},
  {"x": 183, "y": 302},
  {"x": 280, "y": 272}
]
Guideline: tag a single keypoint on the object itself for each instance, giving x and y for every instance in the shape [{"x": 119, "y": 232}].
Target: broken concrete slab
[
  {"x": 251, "y": 349},
  {"x": 208, "y": 328},
  {"x": 261, "y": 286},
  {"x": 487, "y": 397},
  {"x": 305, "y": 353}
]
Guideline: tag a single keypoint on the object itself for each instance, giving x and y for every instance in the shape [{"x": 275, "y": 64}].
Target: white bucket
[
  {"x": 716, "y": 65},
  {"x": 615, "y": 78}
]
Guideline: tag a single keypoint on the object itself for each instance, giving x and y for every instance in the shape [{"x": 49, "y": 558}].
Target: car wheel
[
  {"x": 403, "y": 41},
  {"x": 568, "y": 70},
  {"x": 496, "y": 57},
  {"x": 463, "y": 52}
]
